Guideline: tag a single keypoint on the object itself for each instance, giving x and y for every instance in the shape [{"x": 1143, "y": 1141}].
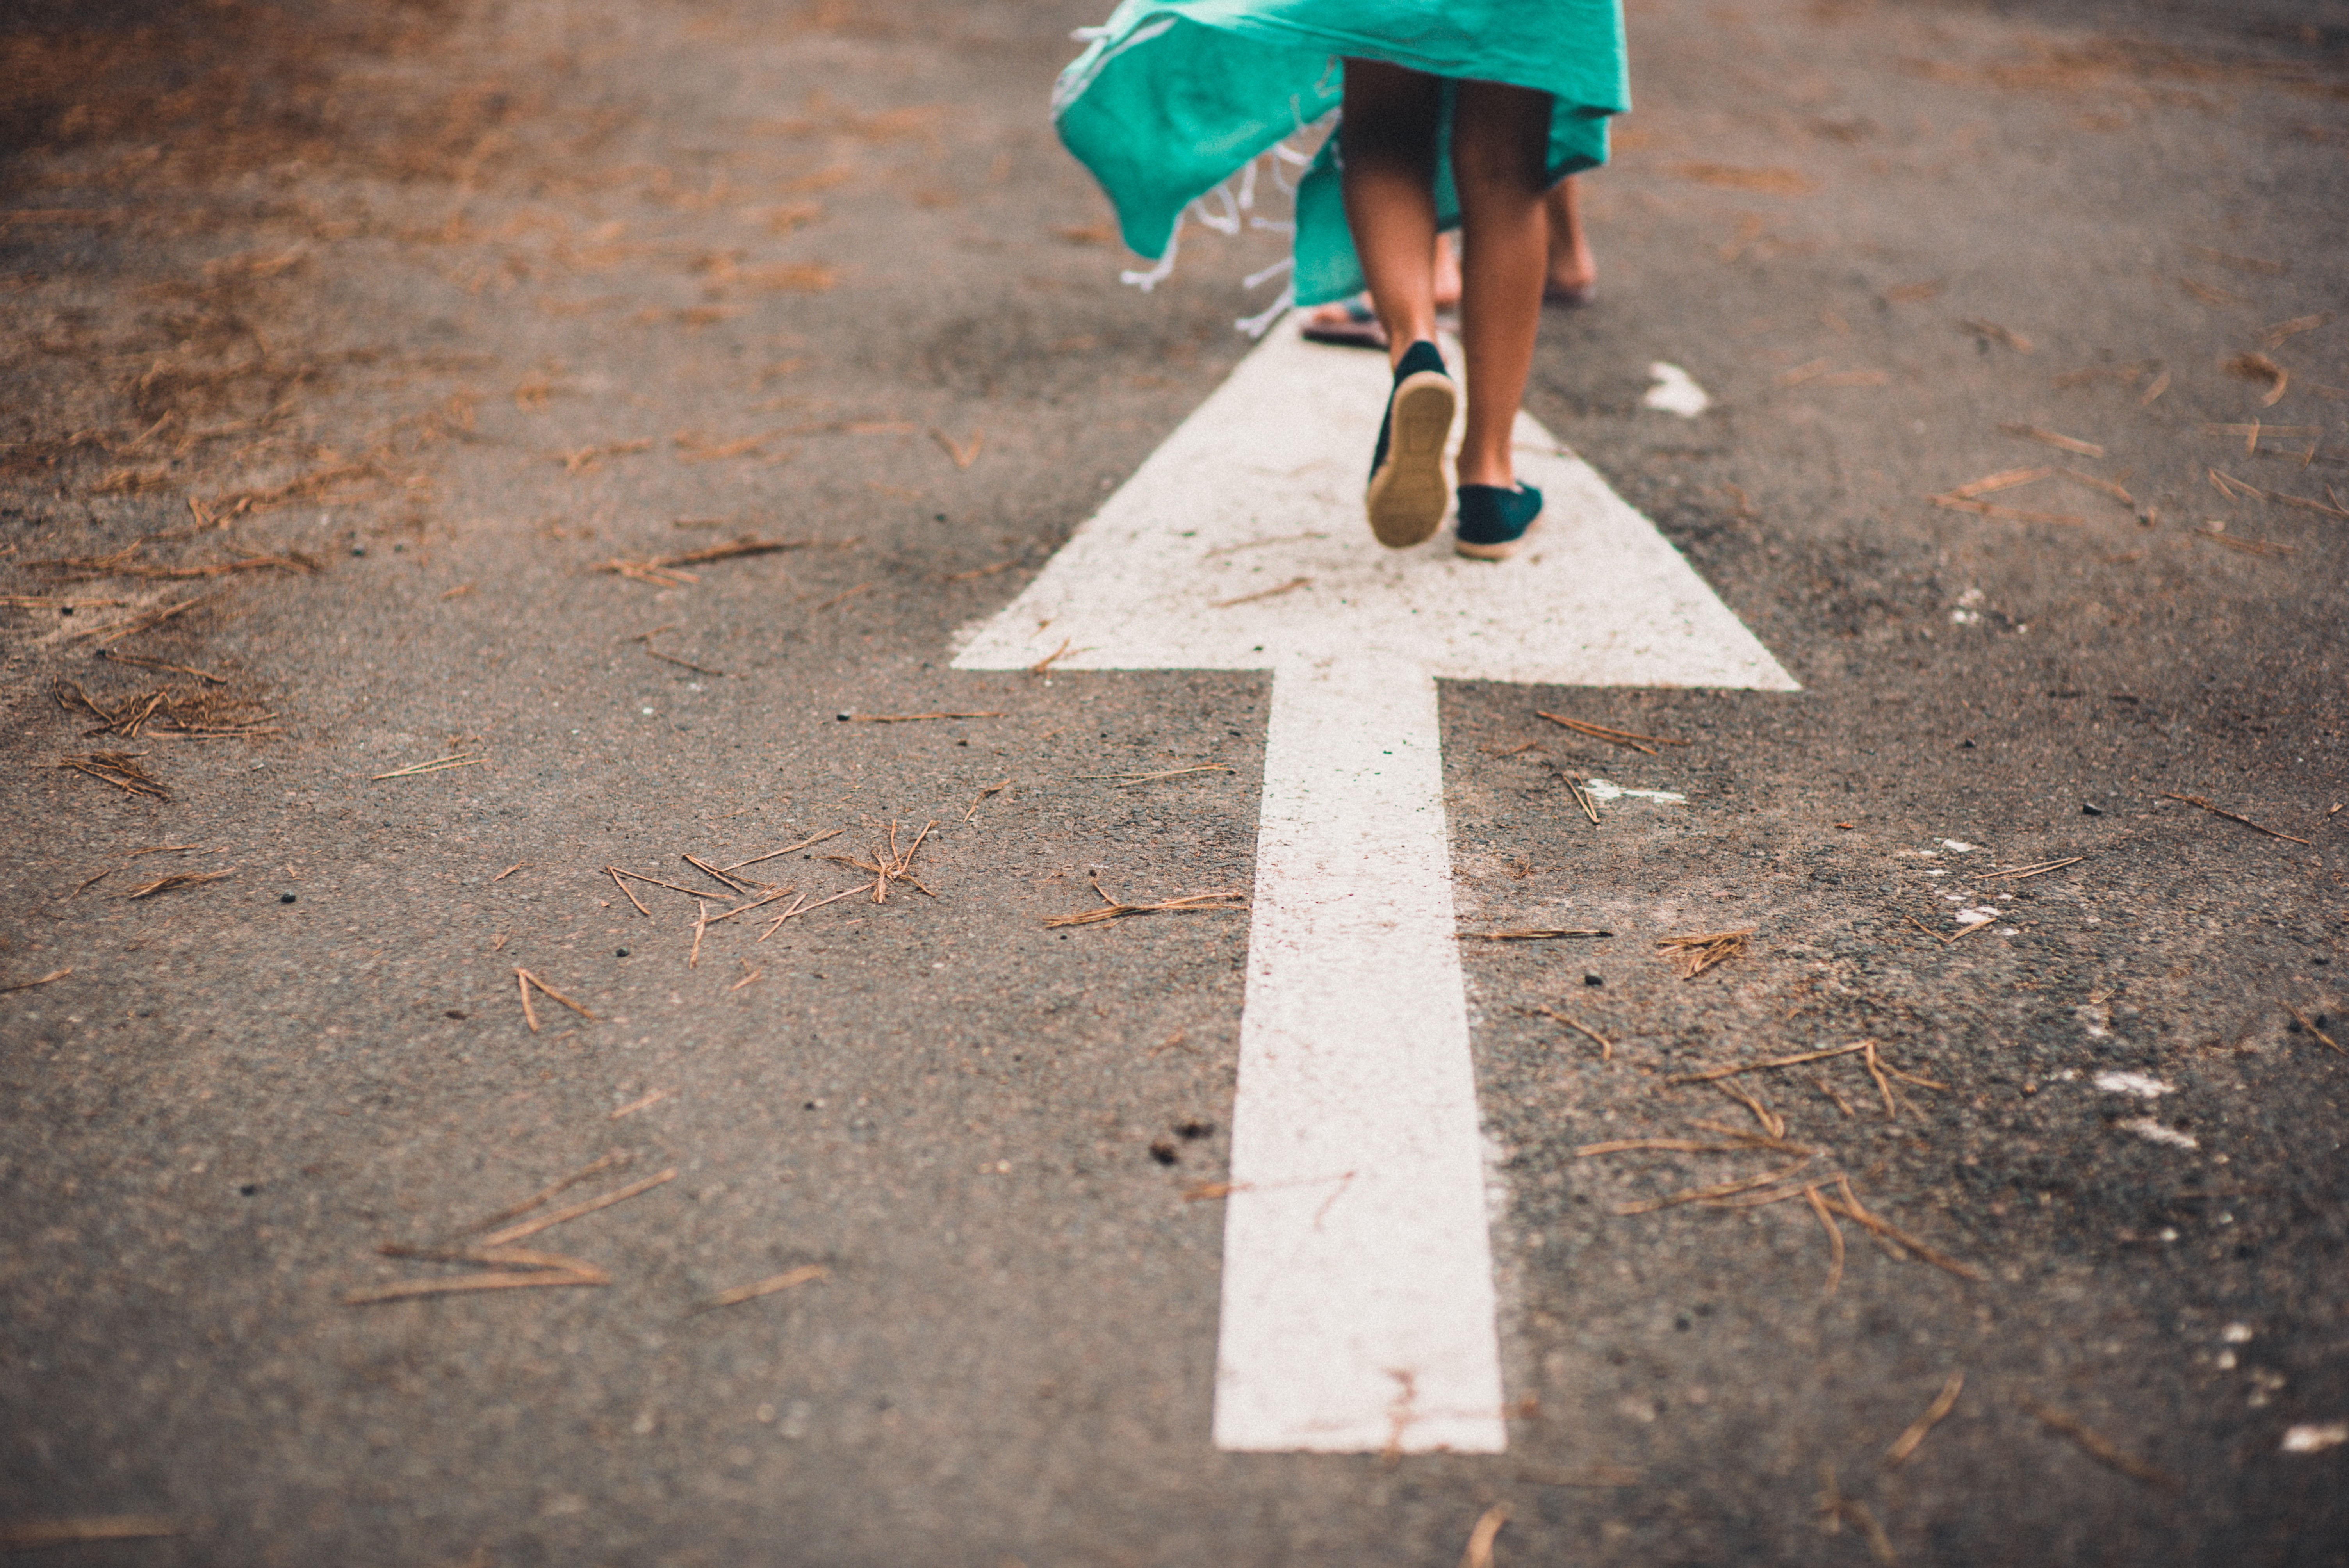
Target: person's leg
[
  {"x": 1572, "y": 270},
  {"x": 1387, "y": 134},
  {"x": 1447, "y": 272},
  {"x": 1500, "y": 139}
]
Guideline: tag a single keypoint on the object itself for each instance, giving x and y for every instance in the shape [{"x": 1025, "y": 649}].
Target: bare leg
[
  {"x": 1500, "y": 137},
  {"x": 1389, "y": 142},
  {"x": 1447, "y": 273},
  {"x": 1572, "y": 270},
  {"x": 1447, "y": 290}
]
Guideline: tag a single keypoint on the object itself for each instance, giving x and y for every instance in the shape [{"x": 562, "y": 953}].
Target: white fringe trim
[{"x": 1257, "y": 326}]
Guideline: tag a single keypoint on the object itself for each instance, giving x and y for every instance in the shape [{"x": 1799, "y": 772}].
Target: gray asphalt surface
[{"x": 460, "y": 302}]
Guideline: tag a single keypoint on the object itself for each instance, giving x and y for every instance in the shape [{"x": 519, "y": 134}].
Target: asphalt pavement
[{"x": 422, "y": 345}]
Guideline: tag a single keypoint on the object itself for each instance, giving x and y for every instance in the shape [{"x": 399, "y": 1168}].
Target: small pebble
[
  {"x": 841, "y": 717},
  {"x": 1594, "y": 980},
  {"x": 358, "y": 549},
  {"x": 285, "y": 898},
  {"x": 1165, "y": 1152},
  {"x": 619, "y": 953},
  {"x": 2089, "y": 808}
]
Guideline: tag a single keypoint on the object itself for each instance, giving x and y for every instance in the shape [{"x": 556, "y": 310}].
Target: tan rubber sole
[{"x": 1408, "y": 497}]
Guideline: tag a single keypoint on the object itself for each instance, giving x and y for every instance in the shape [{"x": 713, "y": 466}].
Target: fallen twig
[
  {"x": 2222, "y": 811},
  {"x": 787, "y": 849},
  {"x": 2100, "y": 1448},
  {"x": 29, "y": 1534},
  {"x": 981, "y": 799},
  {"x": 1479, "y": 1551},
  {"x": 179, "y": 880},
  {"x": 454, "y": 1284},
  {"x": 1851, "y": 1207},
  {"x": 114, "y": 632},
  {"x": 713, "y": 872},
  {"x": 1695, "y": 953},
  {"x": 2039, "y": 869},
  {"x": 1291, "y": 586},
  {"x": 528, "y": 982},
  {"x": 438, "y": 765},
  {"x": 663, "y": 569},
  {"x": 594, "y": 1168},
  {"x": 742, "y": 1293},
  {"x": 119, "y": 768},
  {"x": 1605, "y": 1046},
  {"x": 1542, "y": 935},
  {"x": 2050, "y": 438},
  {"x": 53, "y": 974},
  {"x": 1613, "y": 736},
  {"x": 613, "y": 872},
  {"x": 2305, "y": 1021},
  {"x": 1127, "y": 780},
  {"x": 515, "y": 1232},
  {"x": 1598, "y": 1475},
  {"x": 1943, "y": 1403},
  {"x": 1581, "y": 790},
  {"x": 1112, "y": 910},
  {"x": 907, "y": 717}
]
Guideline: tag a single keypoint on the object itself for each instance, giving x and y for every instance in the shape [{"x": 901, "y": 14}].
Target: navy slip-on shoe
[
  {"x": 1407, "y": 497},
  {"x": 1493, "y": 519}
]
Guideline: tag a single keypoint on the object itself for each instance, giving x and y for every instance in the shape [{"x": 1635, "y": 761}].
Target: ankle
[{"x": 1501, "y": 476}]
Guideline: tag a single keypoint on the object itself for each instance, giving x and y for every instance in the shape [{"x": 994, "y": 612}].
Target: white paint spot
[
  {"x": 2137, "y": 1084},
  {"x": 2235, "y": 1333},
  {"x": 1971, "y": 596},
  {"x": 1958, "y": 847},
  {"x": 1600, "y": 789},
  {"x": 2314, "y": 1437},
  {"x": 1964, "y": 617},
  {"x": 1976, "y": 914},
  {"x": 2006, "y": 930},
  {"x": 1675, "y": 391},
  {"x": 1359, "y": 1311},
  {"x": 2152, "y": 1131},
  {"x": 2095, "y": 1017}
]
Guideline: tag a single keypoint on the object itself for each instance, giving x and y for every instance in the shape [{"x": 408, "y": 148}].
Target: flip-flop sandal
[{"x": 1358, "y": 329}]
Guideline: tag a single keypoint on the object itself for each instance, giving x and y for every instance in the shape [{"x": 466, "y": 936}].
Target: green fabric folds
[{"x": 1173, "y": 97}]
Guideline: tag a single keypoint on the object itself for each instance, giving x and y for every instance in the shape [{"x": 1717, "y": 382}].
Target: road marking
[
  {"x": 1675, "y": 391},
  {"x": 1358, "y": 1297}
]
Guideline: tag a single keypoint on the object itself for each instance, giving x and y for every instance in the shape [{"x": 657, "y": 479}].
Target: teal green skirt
[{"x": 1173, "y": 97}]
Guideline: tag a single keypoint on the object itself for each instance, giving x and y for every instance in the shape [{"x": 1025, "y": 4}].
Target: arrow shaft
[{"x": 1358, "y": 1297}]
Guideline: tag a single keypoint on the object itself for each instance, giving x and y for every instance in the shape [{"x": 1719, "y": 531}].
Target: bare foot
[{"x": 1573, "y": 275}]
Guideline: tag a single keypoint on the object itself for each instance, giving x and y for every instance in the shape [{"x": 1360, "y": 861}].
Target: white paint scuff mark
[
  {"x": 1675, "y": 391},
  {"x": 2235, "y": 1333},
  {"x": 1959, "y": 847},
  {"x": 2152, "y": 1131},
  {"x": 1358, "y": 1305},
  {"x": 2138, "y": 1084},
  {"x": 1978, "y": 914},
  {"x": 2314, "y": 1437},
  {"x": 1600, "y": 789}
]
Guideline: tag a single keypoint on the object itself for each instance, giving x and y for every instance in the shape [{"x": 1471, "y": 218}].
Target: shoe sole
[
  {"x": 1408, "y": 497},
  {"x": 1498, "y": 551}
]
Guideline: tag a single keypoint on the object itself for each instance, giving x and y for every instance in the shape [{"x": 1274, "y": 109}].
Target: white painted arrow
[{"x": 1358, "y": 1301}]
